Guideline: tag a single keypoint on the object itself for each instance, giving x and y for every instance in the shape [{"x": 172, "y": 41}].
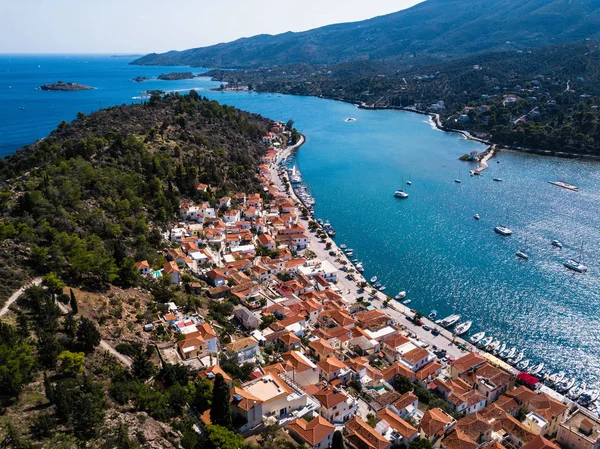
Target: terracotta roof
[
  {"x": 434, "y": 421},
  {"x": 243, "y": 399},
  {"x": 468, "y": 361},
  {"x": 215, "y": 370},
  {"x": 539, "y": 442},
  {"x": 142, "y": 264},
  {"x": 395, "y": 341},
  {"x": 487, "y": 374},
  {"x": 294, "y": 360},
  {"x": 329, "y": 397},
  {"x": 171, "y": 267},
  {"x": 546, "y": 406},
  {"x": 507, "y": 403},
  {"x": 397, "y": 369},
  {"x": 515, "y": 428},
  {"x": 321, "y": 346},
  {"x": 458, "y": 440},
  {"x": 206, "y": 331},
  {"x": 397, "y": 423},
  {"x": 428, "y": 370},
  {"x": 415, "y": 355},
  {"x": 475, "y": 425},
  {"x": 331, "y": 365},
  {"x": 361, "y": 435},
  {"x": 289, "y": 339},
  {"x": 314, "y": 431},
  {"x": 405, "y": 400}
]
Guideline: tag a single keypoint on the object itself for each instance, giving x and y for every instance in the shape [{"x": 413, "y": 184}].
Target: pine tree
[
  {"x": 338, "y": 440},
  {"x": 220, "y": 410},
  {"x": 74, "y": 306}
]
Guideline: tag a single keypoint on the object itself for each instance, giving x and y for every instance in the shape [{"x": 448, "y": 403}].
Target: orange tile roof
[
  {"x": 539, "y": 442},
  {"x": 458, "y": 440},
  {"x": 329, "y": 398},
  {"x": 434, "y": 421},
  {"x": 428, "y": 370},
  {"x": 397, "y": 423},
  {"x": 246, "y": 400},
  {"x": 405, "y": 400},
  {"x": 321, "y": 346},
  {"x": 215, "y": 370},
  {"x": 314, "y": 431},
  {"x": 468, "y": 361},
  {"x": 415, "y": 355},
  {"x": 397, "y": 369},
  {"x": 360, "y": 434},
  {"x": 331, "y": 365}
]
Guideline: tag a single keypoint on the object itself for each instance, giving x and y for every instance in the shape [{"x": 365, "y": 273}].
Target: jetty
[
  {"x": 565, "y": 185},
  {"x": 485, "y": 156}
]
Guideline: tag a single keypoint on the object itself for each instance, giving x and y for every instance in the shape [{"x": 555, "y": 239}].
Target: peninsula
[
  {"x": 59, "y": 85},
  {"x": 174, "y": 76}
]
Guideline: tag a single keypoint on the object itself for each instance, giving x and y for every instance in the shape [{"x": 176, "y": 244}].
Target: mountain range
[{"x": 431, "y": 31}]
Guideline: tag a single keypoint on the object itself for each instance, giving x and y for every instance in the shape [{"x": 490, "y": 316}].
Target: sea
[{"x": 428, "y": 245}]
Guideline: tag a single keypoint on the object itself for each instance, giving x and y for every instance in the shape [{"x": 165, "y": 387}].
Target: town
[{"x": 316, "y": 350}]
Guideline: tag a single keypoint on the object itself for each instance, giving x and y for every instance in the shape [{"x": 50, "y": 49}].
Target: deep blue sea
[{"x": 429, "y": 244}]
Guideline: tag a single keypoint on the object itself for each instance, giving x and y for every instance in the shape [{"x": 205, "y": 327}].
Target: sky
[{"x": 144, "y": 26}]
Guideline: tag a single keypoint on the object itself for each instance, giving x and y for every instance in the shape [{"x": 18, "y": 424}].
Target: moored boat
[
  {"x": 400, "y": 295},
  {"x": 511, "y": 353},
  {"x": 476, "y": 217},
  {"x": 463, "y": 328},
  {"x": 523, "y": 364},
  {"x": 450, "y": 321},
  {"x": 432, "y": 315},
  {"x": 557, "y": 244},
  {"x": 503, "y": 230},
  {"x": 407, "y": 301},
  {"x": 477, "y": 337},
  {"x": 522, "y": 255},
  {"x": 400, "y": 194},
  {"x": 373, "y": 279}
]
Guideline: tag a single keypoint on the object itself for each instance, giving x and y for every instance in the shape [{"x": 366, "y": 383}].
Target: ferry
[
  {"x": 432, "y": 315},
  {"x": 373, "y": 279},
  {"x": 400, "y": 194},
  {"x": 401, "y": 295},
  {"x": 450, "y": 321},
  {"x": 575, "y": 265},
  {"x": 557, "y": 243},
  {"x": 522, "y": 255},
  {"x": 477, "y": 337},
  {"x": 463, "y": 328},
  {"x": 476, "y": 217},
  {"x": 503, "y": 230}
]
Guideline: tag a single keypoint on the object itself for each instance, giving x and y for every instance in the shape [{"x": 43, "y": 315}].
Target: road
[{"x": 17, "y": 294}]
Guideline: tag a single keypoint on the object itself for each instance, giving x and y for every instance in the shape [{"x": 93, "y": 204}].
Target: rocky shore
[{"x": 60, "y": 86}]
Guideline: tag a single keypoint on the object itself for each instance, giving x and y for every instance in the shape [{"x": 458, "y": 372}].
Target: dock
[
  {"x": 565, "y": 185},
  {"x": 485, "y": 156}
]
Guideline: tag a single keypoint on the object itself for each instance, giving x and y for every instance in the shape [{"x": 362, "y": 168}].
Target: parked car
[
  {"x": 427, "y": 328},
  {"x": 435, "y": 332}
]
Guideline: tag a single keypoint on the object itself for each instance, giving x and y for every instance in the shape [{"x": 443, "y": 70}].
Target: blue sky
[{"x": 143, "y": 26}]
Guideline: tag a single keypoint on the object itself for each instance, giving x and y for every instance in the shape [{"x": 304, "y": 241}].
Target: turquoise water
[{"x": 429, "y": 244}]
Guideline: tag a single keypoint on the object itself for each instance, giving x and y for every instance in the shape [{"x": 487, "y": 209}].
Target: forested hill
[
  {"x": 430, "y": 31},
  {"x": 90, "y": 199}
]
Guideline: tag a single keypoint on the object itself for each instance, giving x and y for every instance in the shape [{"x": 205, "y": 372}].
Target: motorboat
[
  {"x": 494, "y": 345},
  {"x": 400, "y": 194},
  {"x": 536, "y": 369},
  {"x": 432, "y": 315},
  {"x": 343, "y": 246},
  {"x": 577, "y": 391},
  {"x": 498, "y": 179},
  {"x": 348, "y": 250},
  {"x": 511, "y": 353},
  {"x": 450, "y": 321},
  {"x": 476, "y": 217},
  {"x": 407, "y": 302},
  {"x": 567, "y": 384},
  {"x": 503, "y": 230},
  {"x": 523, "y": 364},
  {"x": 458, "y": 181},
  {"x": 359, "y": 268},
  {"x": 557, "y": 378},
  {"x": 401, "y": 295},
  {"x": 518, "y": 358},
  {"x": 477, "y": 337},
  {"x": 373, "y": 279},
  {"x": 557, "y": 244},
  {"x": 575, "y": 265},
  {"x": 486, "y": 341},
  {"x": 350, "y": 119},
  {"x": 522, "y": 255},
  {"x": 409, "y": 183},
  {"x": 501, "y": 349},
  {"x": 349, "y": 253},
  {"x": 463, "y": 328},
  {"x": 377, "y": 284},
  {"x": 382, "y": 288}
]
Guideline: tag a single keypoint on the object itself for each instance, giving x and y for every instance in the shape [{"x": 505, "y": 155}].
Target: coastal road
[{"x": 350, "y": 288}]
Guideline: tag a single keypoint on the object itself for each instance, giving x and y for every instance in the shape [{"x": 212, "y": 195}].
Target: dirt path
[{"x": 17, "y": 294}]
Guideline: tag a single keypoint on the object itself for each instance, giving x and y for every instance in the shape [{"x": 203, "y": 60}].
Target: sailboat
[
  {"x": 401, "y": 193},
  {"x": 575, "y": 264},
  {"x": 503, "y": 230},
  {"x": 457, "y": 180},
  {"x": 522, "y": 254}
]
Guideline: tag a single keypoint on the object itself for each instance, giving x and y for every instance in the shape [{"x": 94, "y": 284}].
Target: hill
[
  {"x": 93, "y": 196},
  {"x": 544, "y": 98},
  {"x": 431, "y": 31}
]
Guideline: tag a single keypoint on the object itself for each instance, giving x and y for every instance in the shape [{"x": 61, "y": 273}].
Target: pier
[{"x": 485, "y": 157}]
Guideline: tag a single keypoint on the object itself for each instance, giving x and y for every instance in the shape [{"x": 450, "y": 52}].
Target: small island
[
  {"x": 65, "y": 86},
  {"x": 174, "y": 76},
  {"x": 140, "y": 79}
]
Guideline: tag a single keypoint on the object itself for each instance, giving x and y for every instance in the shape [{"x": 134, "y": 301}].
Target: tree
[
  {"x": 73, "y": 302},
  {"x": 220, "y": 410},
  {"x": 71, "y": 363},
  {"x": 142, "y": 367},
  {"x": 402, "y": 384},
  {"x": 338, "y": 440},
  {"x": 48, "y": 349},
  {"x": 371, "y": 420},
  {"x": 129, "y": 276},
  {"x": 222, "y": 438},
  {"x": 23, "y": 325},
  {"x": 171, "y": 374},
  {"x": 88, "y": 335},
  {"x": 54, "y": 284},
  {"x": 70, "y": 326},
  {"x": 202, "y": 396},
  {"x": 420, "y": 443}
]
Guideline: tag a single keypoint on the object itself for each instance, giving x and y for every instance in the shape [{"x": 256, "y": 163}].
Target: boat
[
  {"x": 377, "y": 284},
  {"x": 498, "y": 179},
  {"x": 348, "y": 250},
  {"x": 350, "y": 119},
  {"x": 476, "y": 217},
  {"x": 382, "y": 288},
  {"x": 557, "y": 378},
  {"x": 406, "y": 301},
  {"x": 523, "y": 364},
  {"x": 320, "y": 221},
  {"x": 400, "y": 194},
  {"x": 486, "y": 341},
  {"x": 463, "y": 328},
  {"x": 494, "y": 345},
  {"x": 578, "y": 391},
  {"x": 22, "y": 108},
  {"x": 450, "y": 321},
  {"x": 458, "y": 181},
  {"x": 536, "y": 369},
  {"x": 355, "y": 261},
  {"x": 359, "y": 268},
  {"x": 501, "y": 349},
  {"x": 503, "y": 230},
  {"x": 477, "y": 337},
  {"x": 557, "y": 244},
  {"x": 373, "y": 279},
  {"x": 401, "y": 295},
  {"x": 349, "y": 253},
  {"x": 567, "y": 384},
  {"x": 343, "y": 246},
  {"x": 432, "y": 315},
  {"x": 519, "y": 357},
  {"x": 295, "y": 176},
  {"x": 575, "y": 264},
  {"x": 510, "y": 353},
  {"x": 522, "y": 255},
  {"x": 409, "y": 183}
]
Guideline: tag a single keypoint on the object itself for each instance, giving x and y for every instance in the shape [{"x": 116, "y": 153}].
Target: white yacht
[
  {"x": 343, "y": 246},
  {"x": 575, "y": 265},
  {"x": 382, "y": 288},
  {"x": 501, "y": 349},
  {"x": 407, "y": 302},
  {"x": 557, "y": 244},
  {"x": 477, "y": 337},
  {"x": 400, "y": 194},
  {"x": 503, "y": 230},
  {"x": 458, "y": 181},
  {"x": 494, "y": 345},
  {"x": 450, "y": 321},
  {"x": 463, "y": 328},
  {"x": 486, "y": 341},
  {"x": 373, "y": 279},
  {"x": 536, "y": 369},
  {"x": 476, "y": 217},
  {"x": 401, "y": 295},
  {"x": 523, "y": 365},
  {"x": 510, "y": 353},
  {"x": 556, "y": 378},
  {"x": 518, "y": 358}
]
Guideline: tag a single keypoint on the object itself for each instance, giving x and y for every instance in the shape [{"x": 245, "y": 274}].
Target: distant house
[
  {"x": 246, "y": 317},
  {"x": 143, "y": 267},
  {"x": 245, "y": 348},
  {"x": 172, "y": 270},
  {"x": 336, "y": 405},
  {"x": 316, "y": 433},
  {"x": 362, "y": 436},
  {"x": 395, "y": 428},
  {"x": 580, "y": 431}
]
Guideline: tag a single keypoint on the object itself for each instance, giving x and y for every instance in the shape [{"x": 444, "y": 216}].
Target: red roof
[{"x": 528, "y": 379}]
